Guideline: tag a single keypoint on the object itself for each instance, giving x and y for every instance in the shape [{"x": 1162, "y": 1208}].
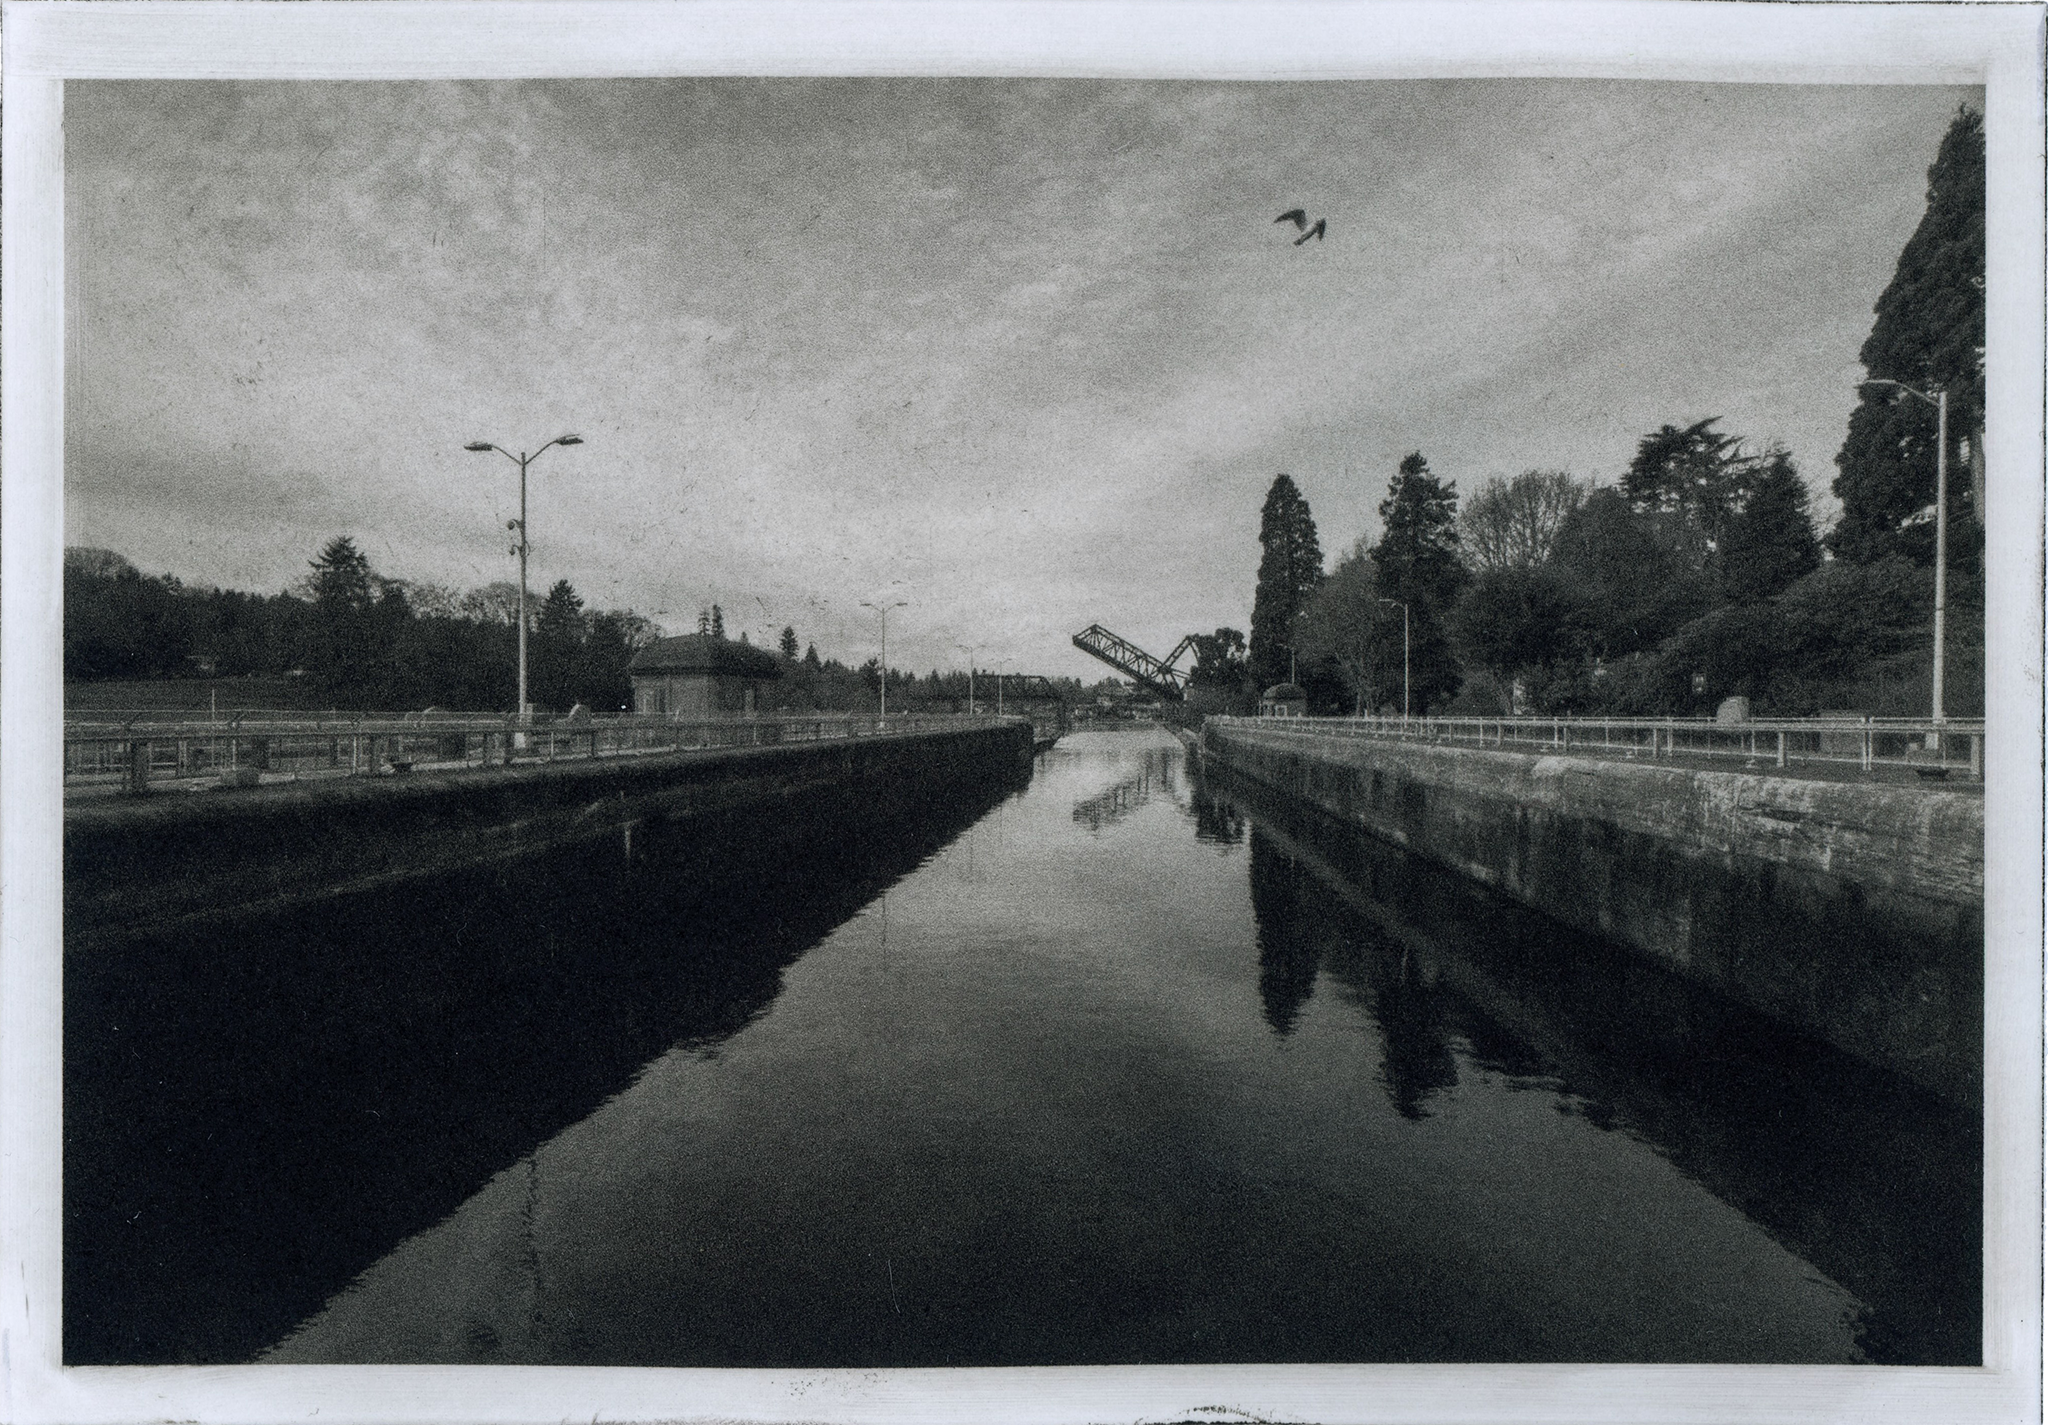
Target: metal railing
[
  {"x": 1933, "y": 750},
  {"x": 136, "y": 755}
]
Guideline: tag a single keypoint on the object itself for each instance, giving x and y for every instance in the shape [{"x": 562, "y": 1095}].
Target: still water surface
[{"x": 1132, "y": 1070}]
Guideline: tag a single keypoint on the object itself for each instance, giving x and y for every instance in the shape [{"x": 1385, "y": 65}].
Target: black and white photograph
[{"x": 818, "y": 729}]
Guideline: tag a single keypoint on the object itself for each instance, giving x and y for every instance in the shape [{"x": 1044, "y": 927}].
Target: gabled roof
[{"x": 701, "y": 653}]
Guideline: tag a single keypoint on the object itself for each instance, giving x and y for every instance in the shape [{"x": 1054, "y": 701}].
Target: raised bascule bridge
[{"x": 1162, "y": 675}]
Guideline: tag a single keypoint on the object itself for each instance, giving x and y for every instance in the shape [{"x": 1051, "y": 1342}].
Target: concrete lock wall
[
  {"x": 1851, "y": 911},
  {"x": 136, "y": 866}
]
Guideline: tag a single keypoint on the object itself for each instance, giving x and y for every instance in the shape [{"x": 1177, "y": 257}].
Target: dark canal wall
[
  {"x": 1851, "y": 912},
  {"x": 153, "y": 862},
  {"x": 265, "y": 1094}
]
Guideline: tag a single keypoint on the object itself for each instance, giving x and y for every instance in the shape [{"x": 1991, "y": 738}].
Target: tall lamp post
[
  {"x": 883, "y": 610},
  {"x": 1001, "y": 664},
  {"x": 522, "y": 460},
  {"x": 1937, "y": 398},
  {"x": 972, "y": 654},
  {"x": 1404, "y": 656}
]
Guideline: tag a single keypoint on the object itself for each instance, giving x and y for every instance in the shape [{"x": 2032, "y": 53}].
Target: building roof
[
  {"x": 1285, "y": 692},
  {"x": 701, "y": 653}
]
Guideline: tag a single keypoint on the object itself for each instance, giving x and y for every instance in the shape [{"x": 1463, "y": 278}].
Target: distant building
[
  {"x": 699, "y": 676},
  {"x": 1283, "y": 700}
]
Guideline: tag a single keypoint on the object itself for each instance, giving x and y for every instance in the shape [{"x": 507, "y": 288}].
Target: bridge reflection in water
[{"x": 1131, "y": 1069}]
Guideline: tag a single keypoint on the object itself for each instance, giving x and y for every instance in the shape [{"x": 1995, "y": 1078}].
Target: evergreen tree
[
  {"x": 1690, "y": 481},
  {"x": 704, "y": 622},
  {"x": 1635, "y": 584},
  {"x": 811, "y": 657},
  {"x": 1929, "y": 333},
  {"x": 1770, "y": 544},
  {"x": 717, "y": 622},
  {"x": 559, "y": 634},
  {"x": 561, "y": 614},
  {"x": 1418, "y": 563},
  {"x": 1418, "y": 559},
  {"x": 789, "y": 643},
  {"x": 1290, "y": 567},
  {"x": 344, "y": 653},
  {"x": 341, "y": 577}
]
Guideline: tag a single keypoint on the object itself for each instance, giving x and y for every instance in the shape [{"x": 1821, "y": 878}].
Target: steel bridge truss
[{"x": 1158, "y": 674}]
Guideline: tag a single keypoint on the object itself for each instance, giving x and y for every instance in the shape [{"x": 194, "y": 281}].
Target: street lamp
[
  {"x": 972, "y": 654},
  {"x": 1001, "y": 664},
  {"x": 883, "y": 610},
  {"x": 1939, "y": 400},
  {"x": 522, "y": 460},
  {"x": 1404, "y": 657}
]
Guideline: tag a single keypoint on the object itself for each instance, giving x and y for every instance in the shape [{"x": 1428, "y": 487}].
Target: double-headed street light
[
  {"x": 522, "y": 460},
  {"x": 883, "y": 610},
  {"x": 1404, "y": 655},
  {"x": 1937, "y": 398}
]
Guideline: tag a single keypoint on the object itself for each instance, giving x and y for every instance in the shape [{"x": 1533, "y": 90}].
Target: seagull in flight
[{"x": 1299, "y": 217}]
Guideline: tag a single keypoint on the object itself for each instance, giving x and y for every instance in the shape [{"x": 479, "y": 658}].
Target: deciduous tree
[{"x": 1513, "y": 524}]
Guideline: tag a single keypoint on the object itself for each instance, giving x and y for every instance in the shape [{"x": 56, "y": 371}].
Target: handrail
[
  {"x": 1918, "y": 743},
  {"x": 130, "y": 757}
]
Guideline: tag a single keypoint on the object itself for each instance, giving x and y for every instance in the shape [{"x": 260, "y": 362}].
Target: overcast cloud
[{"x": 1025, "y": 354}]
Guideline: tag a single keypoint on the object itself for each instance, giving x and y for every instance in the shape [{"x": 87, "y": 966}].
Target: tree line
[
  {"x": 354, "y": 638},
  {"x": 1698, "y": 576},
  {"x": 348, "y": 637}
]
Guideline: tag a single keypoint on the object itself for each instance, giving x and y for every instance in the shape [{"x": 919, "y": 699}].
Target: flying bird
[{"x": 1299, "y": 217}]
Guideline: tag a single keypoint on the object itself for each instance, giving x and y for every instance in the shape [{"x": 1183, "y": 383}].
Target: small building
[
  {"x": 1283, "y": 700},
  {"x": 698, "y": 676}
]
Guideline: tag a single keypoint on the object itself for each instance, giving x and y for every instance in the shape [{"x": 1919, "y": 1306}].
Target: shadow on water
[
  {"x": 1867, "y": 1178},
  {"x": 256, "y": 1111}
]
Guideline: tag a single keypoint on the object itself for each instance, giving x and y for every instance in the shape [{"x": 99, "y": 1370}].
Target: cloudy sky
[{"x": 1022, "y": 354}]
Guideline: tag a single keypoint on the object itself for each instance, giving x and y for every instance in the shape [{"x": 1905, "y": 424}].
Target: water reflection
[
  {"x": 1217, "y": 819},
  {"x": 1155, "y": 774},
  {"x": 1873, "y": 1181},
  {"x": 1290, "y": 946},
  {"x": 255, "y": 1112},
  {"x": 1082, "y": 1089}
]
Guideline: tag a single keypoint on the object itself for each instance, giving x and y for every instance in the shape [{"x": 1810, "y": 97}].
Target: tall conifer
[
  {"x": 1290, "y": 567},
  {"x": 1929, "y": 333}
]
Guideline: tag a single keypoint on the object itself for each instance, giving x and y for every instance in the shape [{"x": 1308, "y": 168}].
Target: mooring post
[
  {"x": 1781, "y": 748},
  {"x": 138, "y": 767}
]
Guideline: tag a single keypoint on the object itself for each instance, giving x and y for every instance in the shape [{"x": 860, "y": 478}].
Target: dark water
[{"x": 1115, "y": 1068}]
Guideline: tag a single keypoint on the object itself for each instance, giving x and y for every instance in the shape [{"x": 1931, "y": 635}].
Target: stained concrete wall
[
  {"x": 1853, "y": 912},
  {"x": 141, "y": 865}
]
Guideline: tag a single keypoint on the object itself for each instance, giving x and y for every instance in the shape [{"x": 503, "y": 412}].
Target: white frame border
[{"x": 1999, "y": 45}]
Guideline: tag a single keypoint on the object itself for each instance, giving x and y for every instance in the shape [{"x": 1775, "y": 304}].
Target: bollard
[
  {"x": 138, "y": 768},
  {"x": 1976, "y": 756},
  {"x": 1781, "y": 749}
]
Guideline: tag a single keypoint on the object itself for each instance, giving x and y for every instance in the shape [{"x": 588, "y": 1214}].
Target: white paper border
[{"x": 1999, "y": 45}]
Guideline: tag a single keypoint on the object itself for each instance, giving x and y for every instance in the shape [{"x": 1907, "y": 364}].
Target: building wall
[{"x": 690, "y": 697}]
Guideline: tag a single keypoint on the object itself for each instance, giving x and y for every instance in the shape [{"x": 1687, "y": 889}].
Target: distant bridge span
[{"x": 1158, "y": 674}]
